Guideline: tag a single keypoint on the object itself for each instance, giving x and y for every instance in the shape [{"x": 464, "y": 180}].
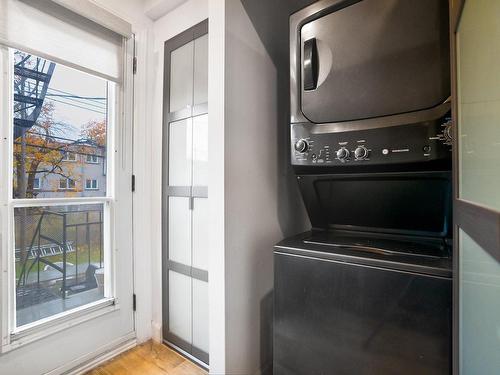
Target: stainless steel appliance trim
[
  {"x": 382, "y": 122},
  {"x": 352, "y": 261},
  {"x": 370, "y": 249}
]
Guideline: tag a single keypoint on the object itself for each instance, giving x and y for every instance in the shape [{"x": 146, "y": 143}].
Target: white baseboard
[
  {"x": 94, "y": 359},
  {"x": 156, "y": 329}
]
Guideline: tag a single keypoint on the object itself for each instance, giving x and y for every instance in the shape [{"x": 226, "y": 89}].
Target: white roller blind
[{"x": 54, "y": 32}]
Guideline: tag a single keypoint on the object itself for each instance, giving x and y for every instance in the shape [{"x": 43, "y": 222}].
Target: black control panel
[{"x": 402, "y": 144}]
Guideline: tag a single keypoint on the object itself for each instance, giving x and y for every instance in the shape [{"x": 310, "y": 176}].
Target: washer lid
[{"x": 405, "y": 253}]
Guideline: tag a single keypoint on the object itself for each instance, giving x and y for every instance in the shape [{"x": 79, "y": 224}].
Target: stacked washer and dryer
[{"x": 369, "y": 289}]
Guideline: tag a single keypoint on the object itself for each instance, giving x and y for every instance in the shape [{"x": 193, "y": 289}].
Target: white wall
[
  {"x": 181, "y": 18},
  {"x": 155, "y": 9},
  {"x": 216, "y": 182},
  {"x": 133, "y": 12},
  {"x": 150, "y": 37},
  {"x": 130, "y": 10}
]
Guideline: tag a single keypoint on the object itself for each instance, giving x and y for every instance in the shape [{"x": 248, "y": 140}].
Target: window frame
[
  {"x": 12, "y": 336},
  {"x": 67, "y": 187},
  {"x": 67, "y": 158},
  {"x": 96, "y": 184},
  {"x": 91, "y": 161},
  {"x": 39, "y": 185}
]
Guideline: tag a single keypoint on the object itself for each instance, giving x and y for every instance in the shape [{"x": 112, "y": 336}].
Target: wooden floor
[{"x": 148, "y": 359}]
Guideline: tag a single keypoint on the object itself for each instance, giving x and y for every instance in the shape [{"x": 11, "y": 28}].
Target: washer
[{"x": 349, "y": 302}]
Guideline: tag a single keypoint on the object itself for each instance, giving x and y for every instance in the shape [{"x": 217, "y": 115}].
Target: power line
[
  {"x": 96, "y": 99},
  {"x": 80, "y": 100},
  {"x": 50, "y": 96},
  {"x": 75, "y": 105},
  {"x": 80, "y": 140}
]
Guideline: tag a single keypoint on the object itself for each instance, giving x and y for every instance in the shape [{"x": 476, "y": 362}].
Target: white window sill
[{"x": 56, "y": 323}]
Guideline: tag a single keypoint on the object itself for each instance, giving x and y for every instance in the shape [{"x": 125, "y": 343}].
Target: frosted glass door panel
[
  {"x": 201, "y": 70},
  {"x": 180, "y": 153},
  {"x": 180, "y": 305},
  {"x": 200, "y": 233},
  {"x": 179, "y": 230},
  {"x": 479, "y": 102},
  {"x": 200, "y": 315},
  {"x": 181, "y": 77},
  {"x": 479, "y": 309},
  {"x": 200, "y": 150}
]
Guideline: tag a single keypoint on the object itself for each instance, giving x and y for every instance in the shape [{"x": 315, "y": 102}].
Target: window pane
[
  {"x": 200, "y": 315},
  {"x": 478, "y": 86},
  {"x": 201, "y": 70},
  {"x": 180, "y": 305},
  {"x": 200, "y": 150},
  {"x": 181, "y": 77},
  {"x": 180, "y": 153},
  {"x": 479, "y": 277},
  {"x": 179, "y": 230},
  {"x": 60, "y": 122},
  {"x": 59, "y": 259},
  {"x": 201, "y": 220}
]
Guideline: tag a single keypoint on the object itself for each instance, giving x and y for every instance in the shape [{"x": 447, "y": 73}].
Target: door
[
  {"x": 185, "y": 193},
  {"x": 352, "y": 56},
  {"x": 476, "y": 87}
]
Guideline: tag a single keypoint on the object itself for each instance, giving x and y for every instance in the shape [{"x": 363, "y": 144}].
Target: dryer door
[{"x": 375, "y": 58}]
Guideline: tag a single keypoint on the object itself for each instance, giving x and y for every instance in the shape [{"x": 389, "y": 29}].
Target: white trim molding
[
  {"x": 90, "y": 361},
  {"x": 90, "y": 10}
]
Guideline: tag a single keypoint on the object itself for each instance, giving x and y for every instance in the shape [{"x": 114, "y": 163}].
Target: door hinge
[
  {"x": 134, "y": 65},
  {"x": 133, "y": 182},
  {"x": 134, "y": 302}
]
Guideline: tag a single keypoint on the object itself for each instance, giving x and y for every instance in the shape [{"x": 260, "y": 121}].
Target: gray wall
[
  {"x": 270, "y": 20},
  {"x": 262, "y": 203}
]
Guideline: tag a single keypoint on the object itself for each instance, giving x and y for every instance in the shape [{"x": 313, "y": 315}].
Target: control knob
[
  {"x": 448, "y": 134},
  {"x": 360, "y": 153},
  {"x": 301, "y": 145},
  {"x": 342, "y": 154}
]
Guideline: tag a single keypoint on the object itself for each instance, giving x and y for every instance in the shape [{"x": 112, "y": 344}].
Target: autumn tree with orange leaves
[{"x": 45, "y": 147}]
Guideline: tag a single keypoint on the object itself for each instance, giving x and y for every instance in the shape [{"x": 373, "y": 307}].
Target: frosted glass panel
[
  {"x": 201, "y": 70},
  {"x": 200, "y": 150},
  {"x": 181, "y": 77},
  {"x": 179, "y": 305},
  {"x": 179, "y": 230},
  {"x": 479, "y": 309},
  {"x": 200, "y": 233},
  {"x": 180, "y": 153},
  {"x": 479, "y": 102},
  {"x": 200, "y": 315}
]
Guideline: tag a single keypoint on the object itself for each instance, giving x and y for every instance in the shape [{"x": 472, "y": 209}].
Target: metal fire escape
[{"x": 32, "y": 76}]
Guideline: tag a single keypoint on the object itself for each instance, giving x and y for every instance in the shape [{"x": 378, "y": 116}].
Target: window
[
  {"x": 66, "y": 184},
  {"x": 68, "y": 156},
  {"x": 92, "y": 159},
  {"x": 91, "y": 184},
  {"x": 60, "y": 244},
  {"x": 72, "y": 92}
]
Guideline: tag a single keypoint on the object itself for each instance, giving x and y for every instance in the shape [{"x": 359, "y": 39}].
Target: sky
[{"x": 75, "y": 82}]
